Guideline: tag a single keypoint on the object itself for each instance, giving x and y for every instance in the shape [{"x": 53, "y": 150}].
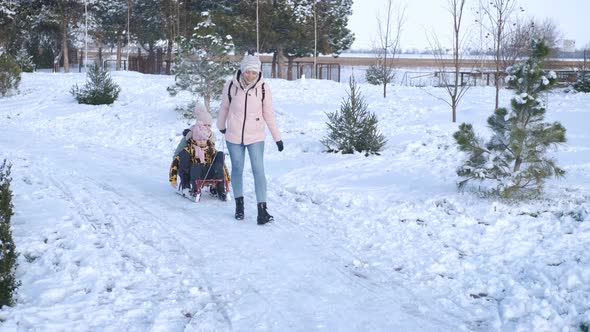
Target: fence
[{"x": 300, "y": 69}]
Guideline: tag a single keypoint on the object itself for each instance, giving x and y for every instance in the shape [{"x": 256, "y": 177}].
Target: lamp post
[
  {"x": 257, "y": 33},
  {"x": 128, "y": 34},
  {"x": 86, "y": 35},
  {"x": 315, "y": 40}
]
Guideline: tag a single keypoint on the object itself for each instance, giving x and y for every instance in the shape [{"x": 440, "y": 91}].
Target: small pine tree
[
  {"x": 9, "y": 74},
  {"x": 25, "y": 61},
  {"x": 99, "y": 89},
  {"x": 202, "y": 63},
  {"x": 8, "y": 254},
  {"x": 353, "y": 128},
  {"x": 378, "y": 73},
  {"x": 583, "y": 84},
  {"x": 514, "y": 158}
]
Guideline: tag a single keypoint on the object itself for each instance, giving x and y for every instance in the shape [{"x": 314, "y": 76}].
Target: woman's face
[{"x": 250, "y": 76}]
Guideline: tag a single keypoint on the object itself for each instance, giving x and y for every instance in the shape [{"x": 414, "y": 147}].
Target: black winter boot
[
  {"x": 263, "y": 216},
  {"x": 220, "y": 190},
  {"x": 240, "y": 208}
]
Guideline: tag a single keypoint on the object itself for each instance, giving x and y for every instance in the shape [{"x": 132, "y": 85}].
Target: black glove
[
  {"x": 222, "y": 131},
  {"x": 280, "y": 145}
]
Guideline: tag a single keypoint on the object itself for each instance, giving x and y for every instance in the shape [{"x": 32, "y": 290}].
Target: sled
[
  {"x": 202, "y": 185},
  {"x": 211, "y": 184}
]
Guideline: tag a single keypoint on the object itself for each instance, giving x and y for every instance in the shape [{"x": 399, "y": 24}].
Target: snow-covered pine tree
[
  {"x": 202, "y": 63},
  {"x": 514, "y": 159},
  {"x": 9, "y": 74},
  {"x": 378, "y": 73},
  {"x": 99, "y": 89},
  {"x": 583, "y": 83},
  {"x": 353, "y": 128},
  {"x": 8, "y": 254}
]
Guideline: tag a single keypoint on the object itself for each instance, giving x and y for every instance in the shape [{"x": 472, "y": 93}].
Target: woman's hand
[{"x": 280, "y": 145}]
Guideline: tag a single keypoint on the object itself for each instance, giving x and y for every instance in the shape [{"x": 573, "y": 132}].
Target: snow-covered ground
[{"x": 380, "y": 243}]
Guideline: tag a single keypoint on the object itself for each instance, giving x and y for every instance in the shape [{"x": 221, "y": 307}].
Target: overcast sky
[{"x": 570, "y": 16}]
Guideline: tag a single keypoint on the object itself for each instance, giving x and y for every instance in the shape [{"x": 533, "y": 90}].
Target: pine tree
[
  {"x": 8, "y": 254},
  {"x": 99, "y": 88},
  {"x": 353, "y": 128},
  {"x": 9, "y": 74},
  {"x": 202, "y": 63},
  {"x": 378, "y": 73},
  {"x": 514, "y": 158},
  {"x": 583, "y": 84}
]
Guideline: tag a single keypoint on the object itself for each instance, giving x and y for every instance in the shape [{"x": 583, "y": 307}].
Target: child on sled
[{"x": 197, "y": 159}]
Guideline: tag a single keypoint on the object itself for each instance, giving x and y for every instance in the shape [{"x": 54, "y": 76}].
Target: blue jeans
[{"x": 237, "y": 154}]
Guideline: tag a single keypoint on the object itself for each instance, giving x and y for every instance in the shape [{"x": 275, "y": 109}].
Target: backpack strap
[
  {"x": 229, "y": 90},
  {"x": 232, "y": 83}
]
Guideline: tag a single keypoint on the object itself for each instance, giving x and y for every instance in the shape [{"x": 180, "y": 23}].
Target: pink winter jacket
[{"x": 247, "y": 113}]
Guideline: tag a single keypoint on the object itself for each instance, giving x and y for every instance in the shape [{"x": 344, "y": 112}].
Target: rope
[{"x": 212, "y": 162}]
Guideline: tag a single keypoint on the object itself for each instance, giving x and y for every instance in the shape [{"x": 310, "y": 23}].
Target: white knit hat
[
  {"x": 250, "y": 63},
  {"x": 201, "y": 114}
]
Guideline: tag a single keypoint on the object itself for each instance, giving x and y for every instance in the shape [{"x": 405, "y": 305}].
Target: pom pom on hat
[
  {"x": 201, "y": 114},
  {"x": 250, "y": 63}
]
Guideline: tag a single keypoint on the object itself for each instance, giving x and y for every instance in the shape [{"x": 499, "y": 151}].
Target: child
[{"x": 197, "y": 159}]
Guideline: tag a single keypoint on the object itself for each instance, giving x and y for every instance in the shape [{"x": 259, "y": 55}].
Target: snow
[{"x": 379, "y": 243}]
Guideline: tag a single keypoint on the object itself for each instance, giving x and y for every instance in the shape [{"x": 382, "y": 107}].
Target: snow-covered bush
[
  {"x": 583, "y": 84},
  {"x": 378, "y": 73},
  {"x": 202, "y": 63},
  {"x": 8, "y": 254},
  {"x": 99, "y": 88},
  {"x": 353, "y": 128},
  {"x": 9, "y": 74},
  {"x": 25, "y": 61},
  {"x": 514, "y": 160}
]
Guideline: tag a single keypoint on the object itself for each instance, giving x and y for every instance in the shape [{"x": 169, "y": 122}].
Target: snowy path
[
  {"x": 162, "y": 263},
  {"x": 384, "y": 243}
]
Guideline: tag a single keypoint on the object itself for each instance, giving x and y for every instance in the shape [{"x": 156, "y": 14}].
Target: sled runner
[
  {"x": 211, "y": 184},
  {"x": 201, "y": 186}
]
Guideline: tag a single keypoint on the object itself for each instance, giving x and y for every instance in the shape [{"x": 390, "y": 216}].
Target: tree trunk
[
  {"x": 207, "y": 102},
  {"x": 385, "y": 72},
  {"x": 100, "y": 57},
  {"x": 119, "y": 50},
  {"x": 169, "y": 56},
  {"x": 273, "y": 73},
  {"x": 498, "y": 59},
  {"x": 290, "y": 68},
  {"x": 281, "y": 61},
  {"x": 65, "y": 45}
]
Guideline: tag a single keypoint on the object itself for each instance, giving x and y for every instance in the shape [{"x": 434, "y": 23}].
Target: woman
[{"x": 245, "y": 109}]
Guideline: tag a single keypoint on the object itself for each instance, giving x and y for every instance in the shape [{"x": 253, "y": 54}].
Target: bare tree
[
  {"x": 497, "y": 15},
  {"x": 389, "y": 34},
  {"x": 522, "y": 32},
  {"x": 450, "y": 78}
]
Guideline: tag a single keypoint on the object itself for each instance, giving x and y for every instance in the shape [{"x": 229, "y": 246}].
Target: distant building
[{"x": 569, "y": 45}]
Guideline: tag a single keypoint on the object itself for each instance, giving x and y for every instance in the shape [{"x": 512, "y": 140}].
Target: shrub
[
  {"x": 583, "y": 84},
  {"x": 100, "y": 88},
  {"x": 9, "y": 74},
  {"x": 8, "y": 254},
  {"x": 378, "y": 73},
  {"x": 25, "y": 61},
  {"x": 353, "y": 128}
]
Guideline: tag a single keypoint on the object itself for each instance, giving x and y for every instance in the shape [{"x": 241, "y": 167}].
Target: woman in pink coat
[{"x": 246, "y": 109}]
